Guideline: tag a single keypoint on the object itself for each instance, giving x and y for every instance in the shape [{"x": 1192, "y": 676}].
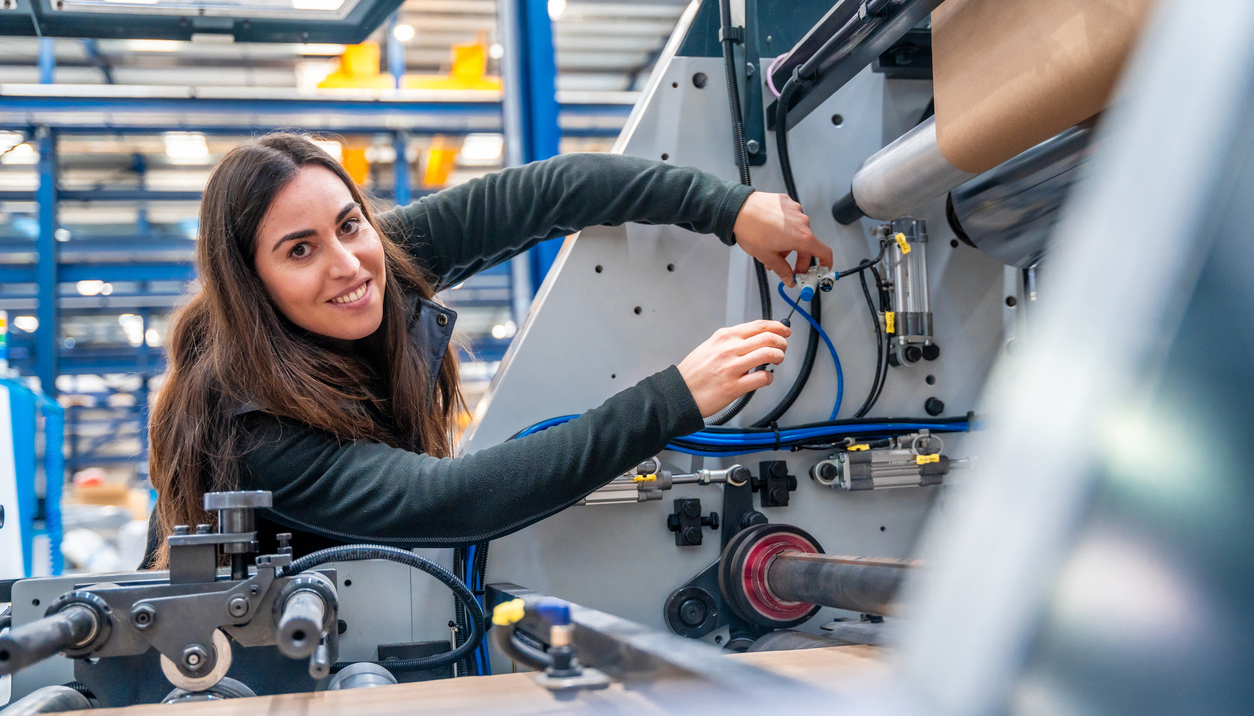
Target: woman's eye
[
  {"x": 349, "y": 226},
  {"x": 300, "y": 251}
]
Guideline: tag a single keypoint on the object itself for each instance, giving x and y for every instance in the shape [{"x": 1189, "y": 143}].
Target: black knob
[
  {"x": 751, "y": 518},
  {"x": 826, "y": 471},
  {"x": 692, "y": 612},
  {"x": 931, "y": 351},
  {"x": 912, "y": 354},
  {"x": 934, "y": 406}
]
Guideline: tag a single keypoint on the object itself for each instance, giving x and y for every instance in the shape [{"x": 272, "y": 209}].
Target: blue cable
[{"x": 840, "y": 375}]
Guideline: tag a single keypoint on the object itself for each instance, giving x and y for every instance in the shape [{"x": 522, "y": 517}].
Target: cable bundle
[{"x": 729, "y": 442}]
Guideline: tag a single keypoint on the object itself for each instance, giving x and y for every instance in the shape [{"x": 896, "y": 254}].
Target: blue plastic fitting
[
  {"x": 807, "y": 293},
  {"x": 556, "y": 611}
]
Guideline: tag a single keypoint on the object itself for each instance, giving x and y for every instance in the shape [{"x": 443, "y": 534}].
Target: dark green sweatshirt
[{"x": 331, "y": 491}]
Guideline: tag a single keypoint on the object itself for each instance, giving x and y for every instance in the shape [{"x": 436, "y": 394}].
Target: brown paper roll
[{"x": 1009, "y": 74}]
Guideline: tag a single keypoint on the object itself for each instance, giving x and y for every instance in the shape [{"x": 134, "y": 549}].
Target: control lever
[{"x": 74, "y": 627}]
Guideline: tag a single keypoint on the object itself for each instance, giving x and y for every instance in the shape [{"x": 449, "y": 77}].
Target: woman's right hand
[{"x": 720, "y": 369}]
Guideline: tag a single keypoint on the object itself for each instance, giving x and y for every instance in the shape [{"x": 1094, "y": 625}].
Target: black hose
[
  {"x": 879, "y": 350},
  {"x": 459, "y": 611},
  {"x": 507, "y": 642},
  {"x": 354, "y": 553},
  {"x": 727, "y": 41}
]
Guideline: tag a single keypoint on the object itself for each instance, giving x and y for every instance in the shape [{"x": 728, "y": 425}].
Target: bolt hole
[
  {"x": 665, "y": 156},
  {"x": 34, "y": 602},
  {"x": 599, "y": 268},
  {"x": 298, "y": 635},
  {"x": 1012, "y": 301},
  {"x": 953, "y": 243},
  {"x": 718, "y": 640},
  {"x": 348, "y": 582},
  {"x": 675, "y": 84},
  {"x": 4, "y": 654},
  {"x": 670, "y": 267},
  {"x": 883, "y": 529},
  {"x": 613, "y": 376},
  {"x": 637, "y": 310},
  {"x": 837, "y": 120},
  {"x": 931, "y": 380}
]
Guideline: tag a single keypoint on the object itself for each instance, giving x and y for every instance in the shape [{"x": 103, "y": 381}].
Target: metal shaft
[
  {"x": 34, "y": 642},
  {"x": 861, "y": 585},
  {"x": 300, "y": 626}
]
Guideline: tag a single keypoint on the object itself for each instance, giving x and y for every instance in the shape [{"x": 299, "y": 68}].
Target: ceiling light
[
  {"x": 482, "y": 149},
  {"x": 330, "y": 146},
  {"x": 152, "y": 338},
  {"x": 556, "y": 8},
  {"x": 91, "y": 287},
  {"x": 404, "y": 33},
  {"x": 61, "y": 235},
  {"x": 504, "y": 330},
  {"x": 8, "y": 140},
  {"x": 152, "y": 45},
  {"x": 186, "y": 147},
  {"x": 496, "y": 51},
  {"x": 21, "y": 154},
  {"x": 30, "y": 324}
]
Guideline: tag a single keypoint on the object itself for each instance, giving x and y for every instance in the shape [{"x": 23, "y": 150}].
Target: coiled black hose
[
  {"x": 359, "y": 552},
  {"x": 508, "y": 643}
]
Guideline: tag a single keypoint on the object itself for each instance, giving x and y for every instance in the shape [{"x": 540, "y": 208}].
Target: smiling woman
[{"x": 315, "y": 362}]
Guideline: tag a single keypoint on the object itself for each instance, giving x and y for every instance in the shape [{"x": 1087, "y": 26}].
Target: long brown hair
[{"x": 229, "y": 347}]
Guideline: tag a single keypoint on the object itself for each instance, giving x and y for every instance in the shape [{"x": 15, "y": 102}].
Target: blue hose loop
[{"x": 840, "y": 374}]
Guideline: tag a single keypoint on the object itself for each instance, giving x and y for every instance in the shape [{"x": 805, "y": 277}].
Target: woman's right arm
[{"x": 363, "y": 491}]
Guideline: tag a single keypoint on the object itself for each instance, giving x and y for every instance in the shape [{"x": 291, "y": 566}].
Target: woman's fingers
[
  {"x": 756, "y": 380},
  {"x": 744, "y": 330},
  {"x": 762, "y": 340},
  {"x": 761, "y": 356}
]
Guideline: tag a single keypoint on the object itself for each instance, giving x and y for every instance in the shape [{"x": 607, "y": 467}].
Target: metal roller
[
  {"x": 72, "y": 627},
  {"x": 902, "y": 176},
  {"x": 1010, "y": 211},
  {"x": 777, "y": 576}
]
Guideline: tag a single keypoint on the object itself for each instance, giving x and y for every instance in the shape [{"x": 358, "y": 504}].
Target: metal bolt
[
  {"x": 182, "y": 529},
  {"x": 203, "y": 529},
  {"x": 752, "y": 146},
  {"x": 238, "y": 606},
  {"x": 194, "y": 657},
  {"x": 143, "y": 615},
  {"x": 750, "y": 69},
  {"x": 254, "y": 590}
]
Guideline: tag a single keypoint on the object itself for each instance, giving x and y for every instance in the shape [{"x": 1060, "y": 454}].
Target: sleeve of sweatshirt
[
  {"x": 465, "y": 229},
  {"x": 357, "y": 491}
]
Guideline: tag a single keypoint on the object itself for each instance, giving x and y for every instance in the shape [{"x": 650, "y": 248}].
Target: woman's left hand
[{"x": 772, "y": 226}]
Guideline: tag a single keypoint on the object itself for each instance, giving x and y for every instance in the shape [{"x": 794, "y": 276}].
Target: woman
[{"x": 315, "y": 362}]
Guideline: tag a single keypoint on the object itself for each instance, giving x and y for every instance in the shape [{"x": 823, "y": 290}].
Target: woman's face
[{"x": 320, "y": 260}]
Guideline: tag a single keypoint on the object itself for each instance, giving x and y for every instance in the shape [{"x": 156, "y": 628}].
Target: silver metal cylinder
[
  {"x": 300, "y": 626},
  {"x": 362, "y": 675},
  {"x": 48, "y": 700},
  {"x": 1009, "y": 212},
  {"x": 906, "y": 174},
  {"x": 858, "y": 584}
]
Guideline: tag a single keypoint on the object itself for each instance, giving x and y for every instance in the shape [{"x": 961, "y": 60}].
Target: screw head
[
  {"x": 143, "y": 616},
  {"x": 752, "y": 146},
  {"x": 195, "y": 657},
  {"x": 238, "y": 606}
]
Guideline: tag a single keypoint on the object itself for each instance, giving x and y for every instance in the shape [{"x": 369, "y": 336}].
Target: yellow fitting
[
  {"x": 508, "y": 613},
  {"x": 902, "y": 244},
  {"x": 857, "y": 448},
  {"x": 925, "y": 459},
  {"x": 645, "y": 478},
  {"x": 890, "y": 322}
]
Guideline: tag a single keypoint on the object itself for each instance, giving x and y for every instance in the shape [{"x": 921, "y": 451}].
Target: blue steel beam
[
  {"x": 48, "y": 338},
  {"x": 72, "y": 273},
  {"x": 401, "y": 188}
]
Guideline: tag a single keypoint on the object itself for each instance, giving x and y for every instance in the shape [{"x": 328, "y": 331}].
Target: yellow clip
[
  {"x": 857, "y": 448},
  {"x": 890, "y": 322},
  {"x": 645, "y": 478},
  {"x": 925, "y": 459},
  {"x": 902, "y": 244},
  {"x": 508, "y": 613}
]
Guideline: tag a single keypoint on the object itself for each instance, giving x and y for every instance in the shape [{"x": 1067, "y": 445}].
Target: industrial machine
[{"x": 1035, "y": 492}]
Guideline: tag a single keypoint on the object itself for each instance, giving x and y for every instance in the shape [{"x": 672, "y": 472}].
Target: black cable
[
  {"x": 879, "y": 349},
  {"x": 354, "y": 553},
  {"x": 459, "y": 611},
  {"x": 507, "y": 642},
  {"x": 885, "y": 302},
  {"x": 728, "y": 40}
]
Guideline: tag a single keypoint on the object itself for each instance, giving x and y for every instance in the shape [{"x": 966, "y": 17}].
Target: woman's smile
[{"x": 356, "y": 297}]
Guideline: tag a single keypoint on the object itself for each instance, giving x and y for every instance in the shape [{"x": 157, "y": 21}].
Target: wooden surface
[{"x": 834, "y": 668}]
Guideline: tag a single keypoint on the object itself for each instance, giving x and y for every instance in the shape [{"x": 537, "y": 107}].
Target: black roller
[
  {"x": 32, "y": 643},
  {"x": 868, "y": 586}
]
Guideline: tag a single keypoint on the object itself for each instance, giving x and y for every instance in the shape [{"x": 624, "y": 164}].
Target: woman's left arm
[{"x": 468, "y": 228}]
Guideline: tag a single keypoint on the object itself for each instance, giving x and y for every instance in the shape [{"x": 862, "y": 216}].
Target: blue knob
[
  {"x": 807, "y": 293},
  {"x": 556, "y": 611}
]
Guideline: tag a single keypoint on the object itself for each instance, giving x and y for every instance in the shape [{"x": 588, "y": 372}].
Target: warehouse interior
[{"x": 1001, "y": 466}]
